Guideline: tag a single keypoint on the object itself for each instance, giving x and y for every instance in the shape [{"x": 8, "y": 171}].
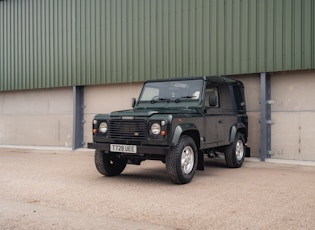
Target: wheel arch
[
  {"x": 238, "y": 128},
  {"x": 186, "y": 129}
]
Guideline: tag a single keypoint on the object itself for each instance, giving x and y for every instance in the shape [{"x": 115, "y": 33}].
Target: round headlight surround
[
  {"x": 155, "y": 128},
  {"x": 103, "y": 127}
]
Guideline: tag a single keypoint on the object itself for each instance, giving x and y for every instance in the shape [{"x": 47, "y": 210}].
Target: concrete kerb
[
  {"x": 35, "y": 147},
  {"x": 282, "y": 161},
  {"x": 46, "y": 148}
]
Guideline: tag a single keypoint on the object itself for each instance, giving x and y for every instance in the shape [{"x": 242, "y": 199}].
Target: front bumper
[{"x": 157, "y": 150}]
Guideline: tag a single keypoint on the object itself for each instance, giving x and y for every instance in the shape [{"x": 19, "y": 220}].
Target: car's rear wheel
[
  {"x": 235, "y": 152},
  {"x": 181, "y": 163},
  {"x": 108, "y": 164}
]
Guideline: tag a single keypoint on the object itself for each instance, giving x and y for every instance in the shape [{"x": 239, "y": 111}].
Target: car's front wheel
[
  {"x": 108, "y": 164},
  {"x": 181, "y": 163}
]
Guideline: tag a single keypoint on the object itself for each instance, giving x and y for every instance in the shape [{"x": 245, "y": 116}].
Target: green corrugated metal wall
[{"x": 55, "y": 43}]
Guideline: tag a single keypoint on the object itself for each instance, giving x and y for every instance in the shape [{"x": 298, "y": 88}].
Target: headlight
[
  {"x": 103, "y": 127},
  {"x": 155, "y": 128}
]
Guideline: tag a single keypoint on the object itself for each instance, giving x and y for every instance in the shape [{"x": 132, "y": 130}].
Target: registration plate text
[{"x": 123, "y": 148}]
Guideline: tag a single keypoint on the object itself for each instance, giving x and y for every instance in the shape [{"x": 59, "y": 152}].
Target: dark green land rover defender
[{"x": 177, "y": 121}]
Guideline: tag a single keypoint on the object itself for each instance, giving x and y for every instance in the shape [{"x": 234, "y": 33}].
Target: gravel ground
[{"x": 54, "y": 189}]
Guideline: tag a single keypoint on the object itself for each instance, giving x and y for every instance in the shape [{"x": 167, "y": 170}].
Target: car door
[{"x": 213, "y": 115}]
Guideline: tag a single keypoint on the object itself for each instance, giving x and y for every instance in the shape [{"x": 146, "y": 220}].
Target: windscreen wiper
[
  {"x": 155, "y": 99},
  {"x": 184, "y": 97}
]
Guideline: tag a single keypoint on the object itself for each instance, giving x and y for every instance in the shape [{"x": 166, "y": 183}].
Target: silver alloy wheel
[
  {"x": 239, "y": 150},
  {"x": 187, "y": 160}
]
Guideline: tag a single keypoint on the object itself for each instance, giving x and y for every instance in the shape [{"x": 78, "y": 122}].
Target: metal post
[
  {"x": 269, "y": 102},
  {"x": 265, "y": 116},
  {"x": 78, "y": 117}
]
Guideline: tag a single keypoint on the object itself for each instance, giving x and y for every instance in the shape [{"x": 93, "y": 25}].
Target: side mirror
[
  {"x": 213, "y": 100},
  {"x": 133, "y": 102}
]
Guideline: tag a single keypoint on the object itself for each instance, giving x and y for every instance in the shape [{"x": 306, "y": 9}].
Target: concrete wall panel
[
  {"x": 293, "y": 135},
  {"x": 307, "y": 132},
  {"x": 293, "y": 91},
  {"x": 39, "y": 117},
  {"x": 106, "y": 98},
  {"x": 36, "y": 130},
  {"x": 254, "y": 133},
  {"x": 285, "y": 135},
  {"x": 294, "y": 115}
]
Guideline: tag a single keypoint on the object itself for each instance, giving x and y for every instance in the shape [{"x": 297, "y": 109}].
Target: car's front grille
[{"x": 127, "y": 129}]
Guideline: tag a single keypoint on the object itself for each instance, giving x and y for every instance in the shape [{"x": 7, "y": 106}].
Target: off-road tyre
[
  {"x": 108, "y": 164},
  {"x": 235, "y": 152},
  {"x": 181, "y": 162}
]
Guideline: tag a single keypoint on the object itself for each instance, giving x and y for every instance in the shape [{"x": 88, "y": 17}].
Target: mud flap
[
  {"x": 247, "y": 152},
  {"x": 201, "y": 162}
]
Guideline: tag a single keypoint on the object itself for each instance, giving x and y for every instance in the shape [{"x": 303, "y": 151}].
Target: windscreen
[{"x": 177, "y": 93}]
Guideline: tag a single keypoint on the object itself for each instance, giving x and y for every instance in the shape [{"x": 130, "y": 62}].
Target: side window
[
  {"x": 239, "y": 97},
  {"x": 212, "y": 96}
]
